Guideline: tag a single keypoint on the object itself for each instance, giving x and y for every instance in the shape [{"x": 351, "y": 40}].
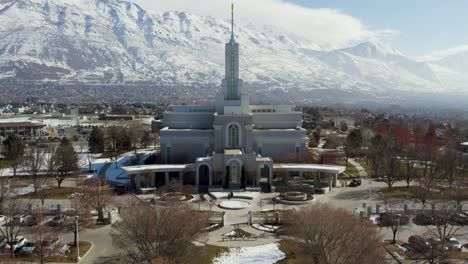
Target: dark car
[
  {"x": 120, "y": 189},
  {"x": 355, "y": 182},
  {"x": 57, "y": 220},
  {"x": 419, "y": 243}
]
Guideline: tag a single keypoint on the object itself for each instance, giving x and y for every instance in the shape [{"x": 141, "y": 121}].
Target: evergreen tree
[
  {"x": 96, "y": 141},
  {"x": 66, "y": 160},
  {"x": 14, "y": 152}
]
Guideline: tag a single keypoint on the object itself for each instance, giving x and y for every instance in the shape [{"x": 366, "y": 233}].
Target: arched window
[
  {"x": 234, "y": 172},
  {"x": 233, "y": 136}
]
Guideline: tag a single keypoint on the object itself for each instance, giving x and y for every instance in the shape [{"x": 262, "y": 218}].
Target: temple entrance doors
[
  {"x": 204, "y": 178},
  {"x": 233, "y": 175}
]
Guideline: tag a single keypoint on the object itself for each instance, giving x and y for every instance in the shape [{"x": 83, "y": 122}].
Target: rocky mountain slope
[{"x": 112, "y": 41}]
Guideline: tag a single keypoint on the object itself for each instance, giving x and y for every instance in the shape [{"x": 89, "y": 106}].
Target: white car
[
  {"x": 28, "y": 248},
  {"x": 17, "y": 243},
  {"x": 2, "y": 218},
  {"x": 454, "y": 244}
]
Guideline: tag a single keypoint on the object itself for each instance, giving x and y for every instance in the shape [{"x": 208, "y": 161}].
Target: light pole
[
  {"x": 398, "y": 229},
  {"x": 77, "y": 240},
  {"x": 370, "y": 190}
]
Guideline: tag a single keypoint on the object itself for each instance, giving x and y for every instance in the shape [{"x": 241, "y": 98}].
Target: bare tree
[
  {"x": 96, "y": 193},
  {"x": 394, "y": 221},
  {"x": 91, "y": 157},
  {"x": 44, "y": 191},
  {"x": 45, "y": 237},
  {"x": 135, "y": 134},
  {"x": 34, "y": 162},
  {"x": 4, "y": 187},
  {"x": 83, "y": 212},
  {"x": 451, "y": 163},
  {"x": 334, "y": 236},
  {"x": 12, "y": 206},
  {"x": 147, "y": 234},
  {"x": 441, "y": 230},
  {"x": 409, "y": 164}
]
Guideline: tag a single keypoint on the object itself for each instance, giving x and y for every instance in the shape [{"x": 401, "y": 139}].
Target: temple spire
[{"x": 232, "y": 22}]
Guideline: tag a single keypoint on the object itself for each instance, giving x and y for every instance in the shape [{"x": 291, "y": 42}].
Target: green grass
[
  {"x": 3, "y": 164},
  {"x": 366, "y": 166},
  {"x": 295, "y": 253},
  {"x": 350, "y": 169},
  {"x": 404, "y": 192},
  {"x": 55, "y": 193},
  {"x": 204, "y": 255}
]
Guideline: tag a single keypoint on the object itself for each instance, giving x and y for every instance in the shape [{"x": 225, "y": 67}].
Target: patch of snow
[
  {"x": 266, "y": 228},
  {"x": 198, "y": 244},
  {"x": 233, "y": 204},
  {"x": 264, "y": 254}
]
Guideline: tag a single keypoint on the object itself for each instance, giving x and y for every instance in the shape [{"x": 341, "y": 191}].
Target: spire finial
[{"x": 232, "y": 21}]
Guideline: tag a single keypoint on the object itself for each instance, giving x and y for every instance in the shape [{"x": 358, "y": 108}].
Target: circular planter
[
  {"x": 295, "y": 196},
  {"x": 233, "y": 204},
  {"x": 175, "y": 197}
]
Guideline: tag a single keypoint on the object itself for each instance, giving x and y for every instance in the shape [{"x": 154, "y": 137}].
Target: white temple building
[{"x": 230, "y": 144}]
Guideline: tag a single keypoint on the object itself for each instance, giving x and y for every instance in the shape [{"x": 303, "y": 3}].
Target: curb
[{"x": 87, "y": 252}]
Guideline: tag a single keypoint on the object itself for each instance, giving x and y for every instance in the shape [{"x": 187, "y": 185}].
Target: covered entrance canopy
[
  {"x": 332, "y": 170},
  {"x": 147, "y": 173}
]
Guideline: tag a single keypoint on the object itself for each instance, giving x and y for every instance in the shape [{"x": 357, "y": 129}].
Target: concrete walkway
[{"x": 361, "y": 170}]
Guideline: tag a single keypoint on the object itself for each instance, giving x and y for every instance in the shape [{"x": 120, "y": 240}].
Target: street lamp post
[
  {"x": 398, "y": 230},
  {"x": 77, "y": 240}
]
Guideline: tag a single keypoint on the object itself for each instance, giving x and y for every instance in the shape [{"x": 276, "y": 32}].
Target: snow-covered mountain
[{"x": 112, "y": 41}]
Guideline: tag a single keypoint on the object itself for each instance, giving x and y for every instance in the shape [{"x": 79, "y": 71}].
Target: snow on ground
[
  {"x": 266, "y": 228},
  {"x": 264, "y": 254},
  {"x": 219, "y": 195},
  {"x": 115, "y": 173},
  {"x": 233, "y": 204}
]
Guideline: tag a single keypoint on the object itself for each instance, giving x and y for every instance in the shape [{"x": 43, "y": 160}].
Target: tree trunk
[
  {"x": 100, "y": 215},
  {"x": 75, "y": 240},
  {"x": 394, "y": 236}
]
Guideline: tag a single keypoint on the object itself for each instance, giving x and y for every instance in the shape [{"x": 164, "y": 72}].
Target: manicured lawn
[
  {"x": 55, "y": 193},
  {"x": 404, "y": 192},
  {"x": 205, "y": 254},
  {"x": 295, "y": 253},
  {"x": 3, "y": 164},
  {"x": 350, "y": 169},
  {"x": 365, "y": 165}
]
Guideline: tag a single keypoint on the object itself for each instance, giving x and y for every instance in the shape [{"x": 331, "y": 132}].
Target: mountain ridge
[{"x": 114, "y": 41}]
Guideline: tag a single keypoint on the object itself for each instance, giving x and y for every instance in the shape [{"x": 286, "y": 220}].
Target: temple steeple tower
[
  {"x": 232, "y": 65},
  {"x": 232, "y": 95},
  {"x": 232, "y": 22}
]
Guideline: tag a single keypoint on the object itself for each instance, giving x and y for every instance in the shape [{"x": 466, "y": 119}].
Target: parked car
[
  {"x": 460, "y": 219},
  {"x": 32, "y": 220},
  {"x": 57, "y": 220},
  {"x": 419, "y": 243},
  {"x": 454, "y": 244},
  {"x": 120, "y": 189},
  {"x": 2, "y": 218},
  {"x": 19, "y": 219},
  {"x": 28, "y": 248},
  {"x": 50, "y": 243},
  {"x": 355, "y": 182},
  {"x": 18, "y": 243},
  {"x": 382, "y": 179},
  {"x": 436, "y": 243}
]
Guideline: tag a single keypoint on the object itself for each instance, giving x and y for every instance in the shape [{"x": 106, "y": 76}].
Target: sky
[{"x": 415, "y": 27}]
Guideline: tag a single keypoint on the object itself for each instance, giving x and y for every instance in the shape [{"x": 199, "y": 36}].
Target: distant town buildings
[{"x": 21, "y": 128}]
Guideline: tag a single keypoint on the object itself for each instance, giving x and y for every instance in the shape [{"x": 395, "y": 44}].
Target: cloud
[
  {"x": 324, "y": 26},
  {"x": 440, "y": 54}
]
